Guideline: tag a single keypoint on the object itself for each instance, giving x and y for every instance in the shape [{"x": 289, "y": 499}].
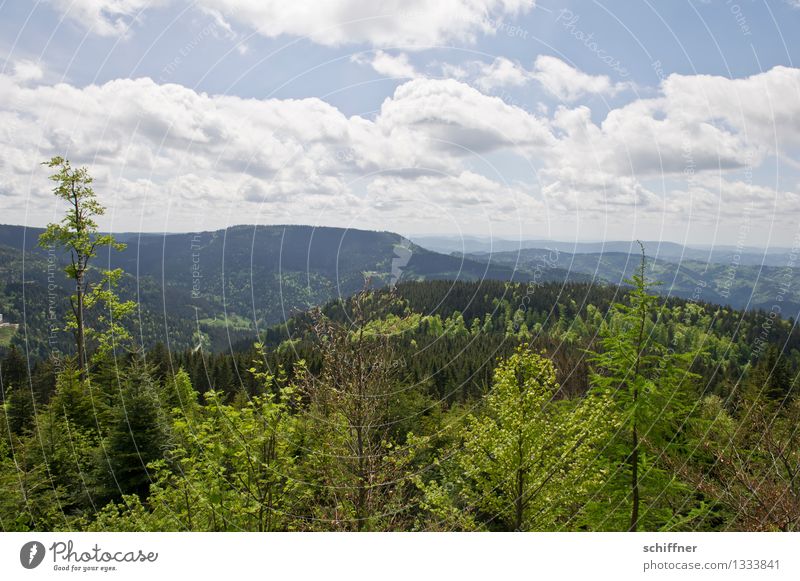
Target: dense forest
[
  {"x": 742, "y": 280},
  {"x": 430, "y": 406}
]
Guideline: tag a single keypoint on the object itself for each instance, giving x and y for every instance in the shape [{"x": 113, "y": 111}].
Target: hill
[
  {"x": 734, "y": 283},
  {"x": 220, "y": 287}
]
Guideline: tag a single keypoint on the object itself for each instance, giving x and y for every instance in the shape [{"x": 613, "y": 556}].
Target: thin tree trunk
[
  {"x": 519, "y": 501},
  {"x": 82, "y": 264},
  {"x": 634, "y": 431},
  {"x": 80, "y": 334},
  {"x": 635, "y": 481}
]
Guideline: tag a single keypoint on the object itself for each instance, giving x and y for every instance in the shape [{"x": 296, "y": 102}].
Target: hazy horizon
[{"x": 456, "y": 237}]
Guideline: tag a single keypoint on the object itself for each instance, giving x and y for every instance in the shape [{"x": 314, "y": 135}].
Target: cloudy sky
[{"x": 672, "y": 120}]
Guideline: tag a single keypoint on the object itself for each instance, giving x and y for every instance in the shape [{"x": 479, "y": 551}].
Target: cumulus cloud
[
  {"x": 386, "y": 23},
  {"x": 292, "y": 158},
  {"x": 568, "y": 83},
  {"x": 454, "y": 117},
  {"x": 502, "y": 72},
  {"x": 27, "y": 71},
  {"x": 105, "y": 17},
  {"x": 465, "y": 189},
  {"x": 465, "y": 200},
  {"x": 486, "y": 76},
  {"x": 558, "y": 78},
  {"x": 330, "y": 23},
  {"x": 386, "y": 64}
]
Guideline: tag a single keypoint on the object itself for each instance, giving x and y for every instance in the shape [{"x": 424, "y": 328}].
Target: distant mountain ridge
[
  {"x": 219, "y": 288},
  {"x": 672, "y": 251},
  {"x": 215, "y": 288},
  {"x": 738, "y": 284}
]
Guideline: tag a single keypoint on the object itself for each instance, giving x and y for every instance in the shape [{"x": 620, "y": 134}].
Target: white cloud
[
  {"x": 501, "y": 73},
  {"x": 297, "y": 158},
  {"x": 292, "y": 157},
  {"x": 329, "y": 22},
  {"x": 27, "y": 71},
  {"x": 386, "y": 64},
  {"x": 764, "y": 109},
  {"x": 568, "y": 83},
  {"x": 465, "y": 200},
  {"x": 454, "y": 117},
  {"x": 105, "y": 17},
  {"x": 555, "y": 76},
  {"x": 386, "y": 23}
]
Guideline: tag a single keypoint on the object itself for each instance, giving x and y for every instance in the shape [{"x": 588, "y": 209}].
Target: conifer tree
[
  {"x": 530, "y": 461},
  {"x": 650, "y": 383}
]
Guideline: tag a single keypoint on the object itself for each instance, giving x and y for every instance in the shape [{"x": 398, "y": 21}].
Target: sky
[{"x": 669, "y": 120}]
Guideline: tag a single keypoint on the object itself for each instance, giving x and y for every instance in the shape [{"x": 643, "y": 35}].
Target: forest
[
  {"x": 377, "y": 416},
  {"x": 426, "y": 406}
]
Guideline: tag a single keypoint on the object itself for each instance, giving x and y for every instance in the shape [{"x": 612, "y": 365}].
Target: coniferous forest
[{"x": 422, "y": 406}]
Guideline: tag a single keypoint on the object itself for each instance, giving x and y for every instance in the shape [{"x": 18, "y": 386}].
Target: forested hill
[
  {"x": 222, "y": 288},
  {"x": 453, "y": 333},
  {"x": 216, "y": 288},
  {"x": 725, "y": 278}
]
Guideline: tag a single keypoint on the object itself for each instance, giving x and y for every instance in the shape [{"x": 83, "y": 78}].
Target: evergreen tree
[
  {"x": 137, "y": 435},
  {"x": 651, "y": 385},
  {"x": 17, "y": 392},
  {"x": 530, "y": 461}
]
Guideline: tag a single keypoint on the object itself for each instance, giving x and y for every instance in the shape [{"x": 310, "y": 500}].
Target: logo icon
[{"x": 31, "y": 554}]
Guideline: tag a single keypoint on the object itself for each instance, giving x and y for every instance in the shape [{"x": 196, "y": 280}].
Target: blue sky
[{"x": 569, "y": 120}]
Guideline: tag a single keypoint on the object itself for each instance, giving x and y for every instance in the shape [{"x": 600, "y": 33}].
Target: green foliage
[
  {"x": 355, "y": 465},
  {"x": 530, "y": 461},
  {"x": 17, "y": 392},
  {"x": 77, "y": 234},
  {"x": 7, "y": 334},
  {"x": 436, "y": 406},
  {"x": 136, "y": 435},
  {"x": 651, "y": 386}
]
